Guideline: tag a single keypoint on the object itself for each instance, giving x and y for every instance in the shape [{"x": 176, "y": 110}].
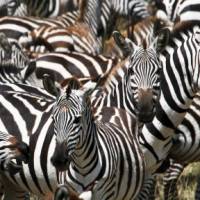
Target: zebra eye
[
  {"x": 130, "y": 70},
  {"x": 77, "y": 119}
]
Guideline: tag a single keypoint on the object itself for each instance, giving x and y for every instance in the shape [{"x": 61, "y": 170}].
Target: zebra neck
[
  {"x": 114, "y": 92},
  {"x": 87, "y": 159}
]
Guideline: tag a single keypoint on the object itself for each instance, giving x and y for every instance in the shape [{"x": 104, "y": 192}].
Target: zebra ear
[
  {"x": 125, "y": 44},
  {"x": 74, "y": 84},
  {"x": 49, "y": 85},
  {"x": 29, "y": 70},
  {"x": 162, "y": 39},
  {"x": 93, "y": 84}
]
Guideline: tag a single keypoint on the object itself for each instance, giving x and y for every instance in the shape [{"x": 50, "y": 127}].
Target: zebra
[
  {"x": 63, "y": 40},
  {"x": 184, "y": 150},
  {"x": 83, "y": 36},
  {"x": 124, "y": 89},
  {"x": 32, "y": 120},
  {"x": 14, "y": 8},
  {"x": 177, "y": 10},
  {"x": 61, "y": 66},
  {"x": 99, "y": 152},
  {"x": 178, "y": 95},
  {"x": 175, "y": 98},
  {"x": 33, "y": 8},
  {"x": 14, "y": 27}
]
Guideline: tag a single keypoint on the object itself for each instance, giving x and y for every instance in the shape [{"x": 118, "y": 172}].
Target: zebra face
[
  {"x": 143, "y": 82},
  {"x": 143, "y": 76},
  {"x": 67, "y": 126}
]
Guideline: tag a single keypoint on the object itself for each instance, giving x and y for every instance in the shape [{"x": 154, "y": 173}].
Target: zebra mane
[
  {"x": 158, "y": 24},
  {"x": 115, "y": 72},
  {"x": 73, "y": 83},
  {"x": 83, "y": 7},
  {"x": 136, "y": 29}
]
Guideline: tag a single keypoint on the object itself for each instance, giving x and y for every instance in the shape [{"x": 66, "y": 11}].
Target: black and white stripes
[{"x": 98, "y": 153}]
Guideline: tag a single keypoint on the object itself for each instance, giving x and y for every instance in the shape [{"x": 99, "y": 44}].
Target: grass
[{"x": 186, "y": 184}]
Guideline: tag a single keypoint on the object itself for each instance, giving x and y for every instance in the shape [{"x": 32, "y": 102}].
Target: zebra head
[
  {"x": 67, "y": 127},
  {"x": 142, "y": 82},
  {"x": 11, "y": 148}
]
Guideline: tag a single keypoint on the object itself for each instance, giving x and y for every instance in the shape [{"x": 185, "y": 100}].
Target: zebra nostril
[{"x": 61, "y": 163}]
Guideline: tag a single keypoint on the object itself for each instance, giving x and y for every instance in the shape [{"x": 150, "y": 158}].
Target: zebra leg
[
  {"x": 170, "y": 180},
  {"x": 148, "y": 189}
]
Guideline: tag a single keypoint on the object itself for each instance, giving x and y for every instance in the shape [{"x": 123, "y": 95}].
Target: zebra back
[{"x": 14, "y": 27}]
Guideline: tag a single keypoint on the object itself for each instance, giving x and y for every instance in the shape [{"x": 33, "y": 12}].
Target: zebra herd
[{"x": 79, "y": 124}]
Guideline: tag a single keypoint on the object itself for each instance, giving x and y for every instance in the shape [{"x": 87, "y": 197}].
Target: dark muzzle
[
  {"x": 145, "y": 109},
  {"x": 60, "y": 159}
]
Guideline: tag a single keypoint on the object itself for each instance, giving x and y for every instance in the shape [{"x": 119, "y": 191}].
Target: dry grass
[{"x": 186, "y": 184}]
